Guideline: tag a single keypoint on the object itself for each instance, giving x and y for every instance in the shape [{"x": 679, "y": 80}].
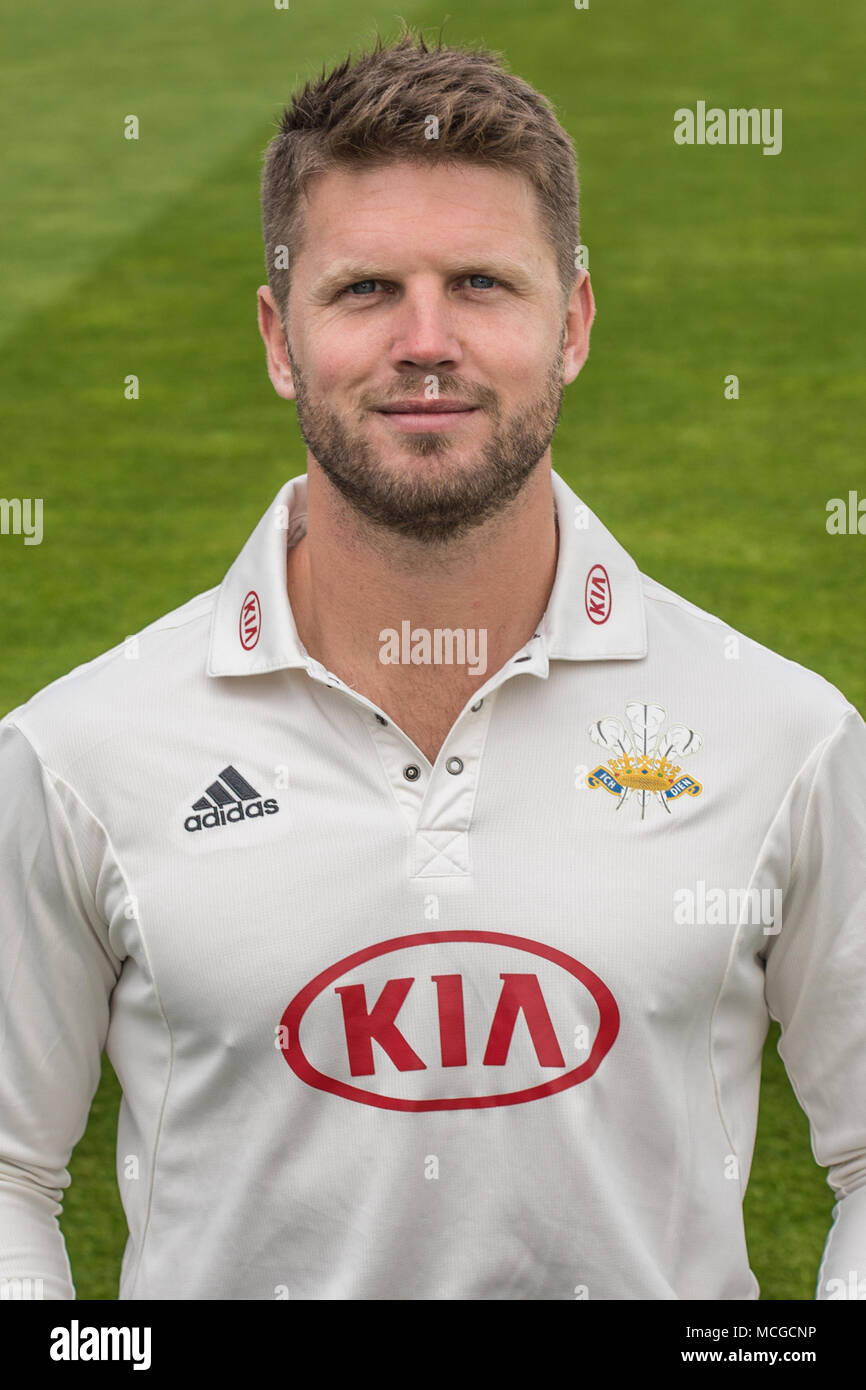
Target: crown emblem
[{"x": 643, "y": 765}]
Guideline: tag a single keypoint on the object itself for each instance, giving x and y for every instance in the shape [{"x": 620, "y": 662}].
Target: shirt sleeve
[
  {"x": 816, "y": 981},
  {"x": 57, "y": 971}
]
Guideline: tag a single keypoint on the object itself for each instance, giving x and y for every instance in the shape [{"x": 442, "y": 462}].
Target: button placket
[
  {"x": 437, "y": 801},
  {"x": 405, "y": 769},
  {"x": 441, "y": 843},
  {"x": 397, "y": 754}
]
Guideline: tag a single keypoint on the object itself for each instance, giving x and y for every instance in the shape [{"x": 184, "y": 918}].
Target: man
[{"x": 432, "y": 881}]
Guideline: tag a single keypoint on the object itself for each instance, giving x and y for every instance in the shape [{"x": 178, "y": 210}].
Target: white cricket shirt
[{"x": 487, "y": 1029}]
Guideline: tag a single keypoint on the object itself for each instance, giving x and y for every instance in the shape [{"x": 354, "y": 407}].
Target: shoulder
[
  {"x": 102, "y": 699},
  {"x": 761, "y": 686}
]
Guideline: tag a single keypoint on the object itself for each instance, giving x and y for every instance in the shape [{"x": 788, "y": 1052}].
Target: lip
[
  {"x": 417, "y": 405},
  {"x": 427, "y": 415}
]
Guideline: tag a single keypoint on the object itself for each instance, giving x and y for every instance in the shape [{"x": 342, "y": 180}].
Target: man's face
[{"x": 428, "y": 344}]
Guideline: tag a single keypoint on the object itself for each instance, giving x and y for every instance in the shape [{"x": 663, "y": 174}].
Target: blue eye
[
  {"x": 488, "y": 278},
  {"x": 361, "y": 284}
]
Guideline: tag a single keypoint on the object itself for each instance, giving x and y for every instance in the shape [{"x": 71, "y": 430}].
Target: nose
[{"x": 424, "y": 328}]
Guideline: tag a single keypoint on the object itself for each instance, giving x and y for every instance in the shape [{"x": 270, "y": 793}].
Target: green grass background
[{"x": 143, "y": 257}]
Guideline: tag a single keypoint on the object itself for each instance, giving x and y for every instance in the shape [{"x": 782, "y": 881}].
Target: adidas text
[{"x": 219, "y": 816}]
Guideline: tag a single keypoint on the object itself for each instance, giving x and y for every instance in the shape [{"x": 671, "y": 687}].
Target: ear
[
  {"x": 274, "y": 338},
  {"x": 578, "y": 322}
]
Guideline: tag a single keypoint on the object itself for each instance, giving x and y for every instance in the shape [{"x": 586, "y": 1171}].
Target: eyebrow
[{"x": 346, "y": 273}]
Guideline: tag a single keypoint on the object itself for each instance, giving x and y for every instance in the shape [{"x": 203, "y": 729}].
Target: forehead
[{"x": 403, "y": 207}]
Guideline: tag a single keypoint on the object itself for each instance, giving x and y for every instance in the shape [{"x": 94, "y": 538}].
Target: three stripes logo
[{"x": 228, "y": 800}]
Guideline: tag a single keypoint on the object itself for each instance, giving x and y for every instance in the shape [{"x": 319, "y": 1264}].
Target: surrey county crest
[{"x": 643, "y": 762}]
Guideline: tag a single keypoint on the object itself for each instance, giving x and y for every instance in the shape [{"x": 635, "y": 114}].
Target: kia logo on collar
[
  {"x": 597, "y": 596},
  {"x": 250, "y": 621}
]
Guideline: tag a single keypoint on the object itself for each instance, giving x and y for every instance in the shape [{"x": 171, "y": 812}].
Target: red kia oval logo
[
  {"x": 250, "y": 621},
  {"x": 597, "y": 596},
  {"x": 491, "y": 1020}
]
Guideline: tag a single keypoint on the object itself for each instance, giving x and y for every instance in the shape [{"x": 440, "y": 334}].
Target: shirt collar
[
  {"x": 596, "y": 607},
  {"x": 253, "y": 630},
  {"x": 595, "y": 611}
]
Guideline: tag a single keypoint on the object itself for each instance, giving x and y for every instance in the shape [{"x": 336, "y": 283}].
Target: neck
[{"x": 348, "y": 581}]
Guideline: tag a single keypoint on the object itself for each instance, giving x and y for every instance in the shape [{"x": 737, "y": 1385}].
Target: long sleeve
[
  {"x": 816, "y": 981},
  {"x": 57, "y": 971}
]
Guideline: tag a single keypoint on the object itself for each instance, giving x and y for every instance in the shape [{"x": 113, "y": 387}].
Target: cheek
[
  {"x": 522, "y": 362},
  {"x": 340, "y": 361}
]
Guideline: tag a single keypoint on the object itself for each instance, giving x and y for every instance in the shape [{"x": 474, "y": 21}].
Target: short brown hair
[{"x": 375, "y": 111}]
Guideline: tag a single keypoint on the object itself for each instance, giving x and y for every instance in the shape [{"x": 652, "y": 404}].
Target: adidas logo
[{"x": 227, "y": 800}]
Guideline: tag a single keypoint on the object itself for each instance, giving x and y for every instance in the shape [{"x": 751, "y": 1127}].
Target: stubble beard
[{"x": 440, "y": 504}]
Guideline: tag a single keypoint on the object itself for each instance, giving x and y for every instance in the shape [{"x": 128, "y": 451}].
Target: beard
[{"x": 437, "y": 504}]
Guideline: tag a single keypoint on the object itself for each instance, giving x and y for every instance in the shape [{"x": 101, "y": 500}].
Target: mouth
[{"x": 424, "y": 415}]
